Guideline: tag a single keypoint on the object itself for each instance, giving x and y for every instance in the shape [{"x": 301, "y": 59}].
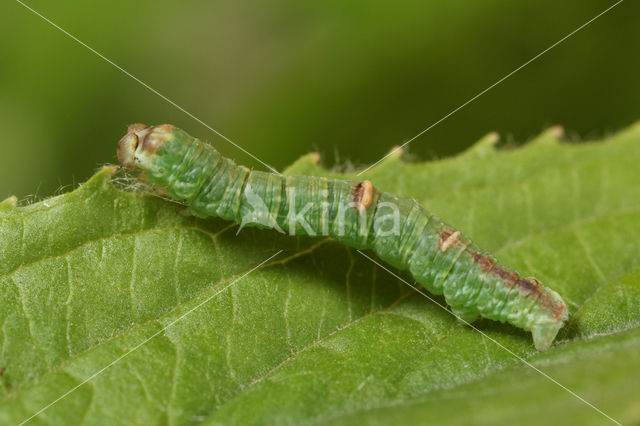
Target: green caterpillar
[{"x": 357, "y": 214}]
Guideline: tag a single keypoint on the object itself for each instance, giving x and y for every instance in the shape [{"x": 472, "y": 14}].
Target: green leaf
[{"x": 320, "y": 334}]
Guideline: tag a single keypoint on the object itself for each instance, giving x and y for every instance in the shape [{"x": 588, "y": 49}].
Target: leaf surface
[{"x": 320, "y": 334}]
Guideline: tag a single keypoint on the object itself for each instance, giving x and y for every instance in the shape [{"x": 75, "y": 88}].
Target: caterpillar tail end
[
  {"x": 549, "y": 315},
  {"x": 544, "y": 334},
  {"x": 545, "y": 330}
]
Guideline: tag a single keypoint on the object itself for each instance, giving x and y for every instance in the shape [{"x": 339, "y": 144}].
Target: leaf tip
[
  {"x": 395, "y": 152},
  {"x": 557, "y": 130},
  {"x": 313, "y": 157},
  {"x": 307, "y": 164},
  {"x": 550, "y": 136},
  {"x": 9, "y": 203},
  {"x": 101, "y": 178},
  {"x": 486, "y": 145},
  {"x": 108, "y": 170}
]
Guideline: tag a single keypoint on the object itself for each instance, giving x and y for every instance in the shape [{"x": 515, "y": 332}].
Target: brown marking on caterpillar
[
  {"x": 558, "y": 310},
  {"x": 153, "y": 138},
  {"x": 485, "y": 262},
  {"x": 363, "y": 194},
  {"x": 448, "y": 240},
  {"x": 530, "y": 286},
  {"x": 508, "y": 277}
]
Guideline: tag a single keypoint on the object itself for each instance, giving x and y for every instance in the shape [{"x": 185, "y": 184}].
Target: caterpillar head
[{"x": 140, "y": 144}]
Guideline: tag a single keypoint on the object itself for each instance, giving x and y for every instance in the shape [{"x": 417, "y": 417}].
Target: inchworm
[{"x": 357, "y": 214}]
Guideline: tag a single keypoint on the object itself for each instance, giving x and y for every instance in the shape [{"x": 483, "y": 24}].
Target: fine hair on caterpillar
[
  {"x": 130, "y": 181},
  {"x": 400, "y": 231}
]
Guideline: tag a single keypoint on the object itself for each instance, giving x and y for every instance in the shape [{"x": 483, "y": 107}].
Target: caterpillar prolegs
[{"x": 357, "y": 214}]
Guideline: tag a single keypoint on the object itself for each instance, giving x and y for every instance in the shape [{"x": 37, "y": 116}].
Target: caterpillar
[{"x": 357, "y": 214}]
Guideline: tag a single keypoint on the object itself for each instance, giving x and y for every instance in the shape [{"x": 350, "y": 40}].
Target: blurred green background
[{"x": 349, "y": 79}]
